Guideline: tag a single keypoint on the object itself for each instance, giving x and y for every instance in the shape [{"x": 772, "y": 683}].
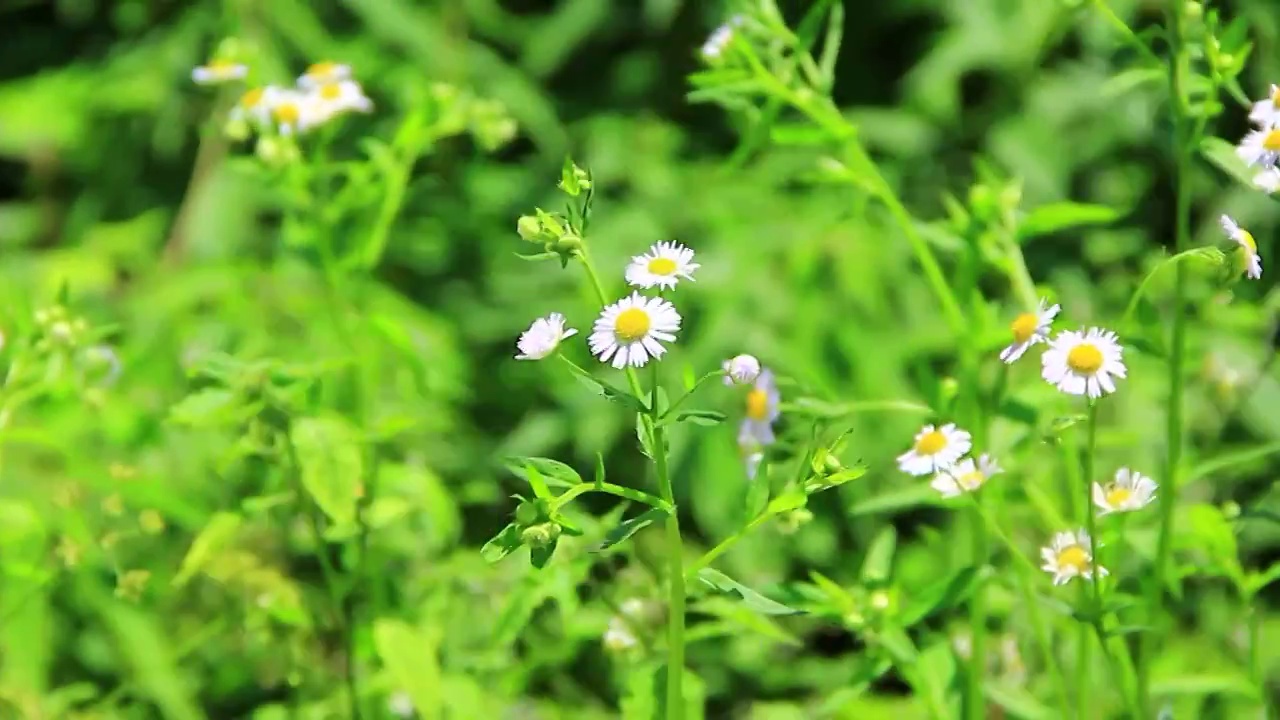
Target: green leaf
[
  {"x": 209, "y": 407},
  {"x": 22, "y": 540},
  {"x": 551, "y": 472},
  {"x": 600, "y": 387},
  {"x": 1210, "y": 255},
  {"x": 1017, "y": 702},
  {"x": 331, "y": 467},
  {"x": 216, "y": 534},
  {"x": 897, "y": 500},
  {"x": 840, "y": 598},
  {"x": 899, "y": 646},
  {"x": 412, "y": 658},
  {"x": 501, "y": 545},
  {"x": 1223, "y": 154},
  {"x": 540, "y": 555},
  {"x": 1235, "y": 684},
  {"x": 1259, "y": 580},
  {"x": 702, "y": 417},
  {"x": 627, "y": 528},
  {"x": 879, "y": 561},
  {"x": 720, "y": 582},
  {"x": 1227, "y": 461},
  {"x": 789, "y": 500},
  {"x": 1056, "y": 217}
]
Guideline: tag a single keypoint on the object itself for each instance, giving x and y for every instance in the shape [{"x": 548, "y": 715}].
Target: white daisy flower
[
  {"x": 762, "y": 411},
  {"x": 751, "y": 461},
  {"x": 339, "y": 97},
  {"x": 1266, "y": 113},
  {"x": 218, "y": 72},
  {"x": 255, "y": 105},
  {"x": 633, "y": 329},
  {"x": 1069, "y": 555},
  {"x": 1247, "y": 244},
  {"x": 741, "y": 370},
  {"x": 322, "y": 73},
  {"x": 1260, "y": 147},
  {"x": 664, "y": 265},
  {"x": 293, "y": 112},
  {"x": 716, "y": 43},
  {"x": 1268, "y": 181},
  {"x": 935, "y": 449},
  {"x": 618, "y": 636},
  {"x": 965, "y": 476},
  {"x": 1028, "y": 329},
  {"x": 1084, "y": 363},
  {"x": 1131, "y": 490},
  {"x": 543, "y": 337},
  {"x": 401, "y": 705}
]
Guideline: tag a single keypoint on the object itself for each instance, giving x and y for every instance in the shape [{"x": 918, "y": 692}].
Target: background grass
[{"x": 112, "y": 183}]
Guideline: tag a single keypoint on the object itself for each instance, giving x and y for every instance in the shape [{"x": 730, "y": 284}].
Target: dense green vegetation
[{"x": 266, "y": 450}]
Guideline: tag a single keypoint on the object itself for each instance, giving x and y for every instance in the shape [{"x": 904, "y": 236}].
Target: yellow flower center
[
  {"x": 1271, "y": 142},
  {"x": 1085, "y": 359},
  {"x": 1117, "y": 496},
  {"x": 972, "y": 481},
  {"x": 758, "y": 404},
  {"x": 322, "y": 70},
  {"x": 220, "y": 64},
  {"x": 332, "y": 91},
  {"x": 252, "y": 98},
  {"x": 931, "y": 443},
  {"x": 1024, "y": 326},
  {"x": 286, "y": 113},
  {"x": 1244, "y": 237},
  {"x": 662, "y": 266},
  {"x": 1074, "y": 556},
  {"x": 631, "y": 325}
]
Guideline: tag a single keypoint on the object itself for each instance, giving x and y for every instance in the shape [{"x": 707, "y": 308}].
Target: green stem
[
  {"x": 725, "y": 544},
  {"x": 610, "y": 489},
  {"x": 1090, "y": 517},
  {"x": 675, "y": 564},
  {"x": 680, "y": 400},
  {"x": 975, "y": 705},
  {"x": 1173, "y": 429}
]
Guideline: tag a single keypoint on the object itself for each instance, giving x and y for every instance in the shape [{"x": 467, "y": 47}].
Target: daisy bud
[
  {"x": 529, "y": 228},
  {"x": 540, "y": 536},
  {"x": 741, "y": 370}
]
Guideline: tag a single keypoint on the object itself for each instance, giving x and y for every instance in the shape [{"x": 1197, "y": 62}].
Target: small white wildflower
[
  {"x": 761, "y": 412},
  {"x": 1129, "y": 491},
  {"x": 935, "y": 449},
  {"x": 752, "y": 457},
  {"x": 632, "y": 330},
  {"x": 543, "y": 337},
  {"x": 720, "y": 38},
  {"x": 218, "y": 72},
  {"x": 618, "y": 636},
  {"x": 741, "y": 370},
  {"x": 254, "y": 105},
  {"x": 1084, "y": 363},
  {"x": 1247, "y": 244},
  {"x": 1266, "y": 113},
  {"x": 1028, "y": 329},
  {"x": 1268, "y": 181},
  {"x": 294, "y": 112},
  {"x": 1260, "y": 148},
  {"x": 334, "y": 98},
  {"x": 400, "y": 704},
  {"x": 323, "y": 73},
  {"x": 1069, "y": 555},
  {"x": 965, "y": 476},
  {"x": 664, "y": 265}
]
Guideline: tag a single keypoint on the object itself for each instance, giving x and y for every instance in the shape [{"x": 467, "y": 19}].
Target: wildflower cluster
[{"x": 324, "y": 92}]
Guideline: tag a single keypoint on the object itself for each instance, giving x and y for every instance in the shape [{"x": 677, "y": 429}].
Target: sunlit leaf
[
  {"x": 331, "y": 467},
  {"x": 720, "y": 582},
  {"x": 627, "y": 528},
  {"x": 411, "y": 657}
]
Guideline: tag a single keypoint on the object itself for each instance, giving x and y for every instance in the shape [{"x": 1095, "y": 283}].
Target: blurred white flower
[
  {"x": 334, "y": 98},
  {"x": 294, "y": 112},
  {"x": 1266, "y": 113},
  {"x": 1268, "y": 181},
  {"x": 618, "y": 636},
  {"x": 1129, "y": 491},
  {"x": 1069, "y": 555},
  {"x": 1028, "y": 329},
  {"x": 254, "y": 105},
  {"x": 217, "y": 72},
  {"x": 400, "y": 704},
  {"x": 720, "y": 38},
  {"x": 1084, "y": 363},
  {"x": 543, "y": 337},
  {"x": 323, "y": 73},
  {"x": 761, "y": 412},
  {"x": 1247, "y": 244},
  {"x": 664, "y": 265},
  {"x": 741, "y": 370},
  {"x": 633, "y": 329},
  {"x": 1260, "y": 148},
  {"x": 935, "y": 449},
  {"x": 965, "y": 476}
]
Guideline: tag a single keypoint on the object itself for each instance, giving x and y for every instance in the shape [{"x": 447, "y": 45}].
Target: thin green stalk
[
  {"x": 725, "y": 544},
  {"x": 1090, "y": 517},
  {"x": 1182, "y": 223},
  {"x": 975, "y": 702},
  {"x": 675, "y": 564},
  {"x": 611, "y": 489}
]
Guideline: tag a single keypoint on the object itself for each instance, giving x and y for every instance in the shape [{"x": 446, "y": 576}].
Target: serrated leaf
[
  {"x": 216, "y": 534},
  {"x": 501, "y": 545},
  {"x": 331, "y": 468},
  {"x": 720, "y": 582},
  {"x": 551, "y": 472},
  {"x": 627, "y": 528},
  {"x": 1056, "y": 217},
  {"x": 412, "y": 659}
]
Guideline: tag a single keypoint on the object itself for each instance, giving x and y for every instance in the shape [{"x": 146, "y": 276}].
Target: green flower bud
[
  {"x": 573, "y": 179},
  {"x": 568, "y": 244},
  {"x": 540, "y": 536},
  {"x": 1193, "y": 10},
  {"x": 983, "y": 203},
  {"x": 529, "y": 228},
  {"x": 528, "y": 513}
]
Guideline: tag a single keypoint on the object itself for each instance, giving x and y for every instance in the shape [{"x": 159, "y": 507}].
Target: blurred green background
[{"x": 114, "y": 182}]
